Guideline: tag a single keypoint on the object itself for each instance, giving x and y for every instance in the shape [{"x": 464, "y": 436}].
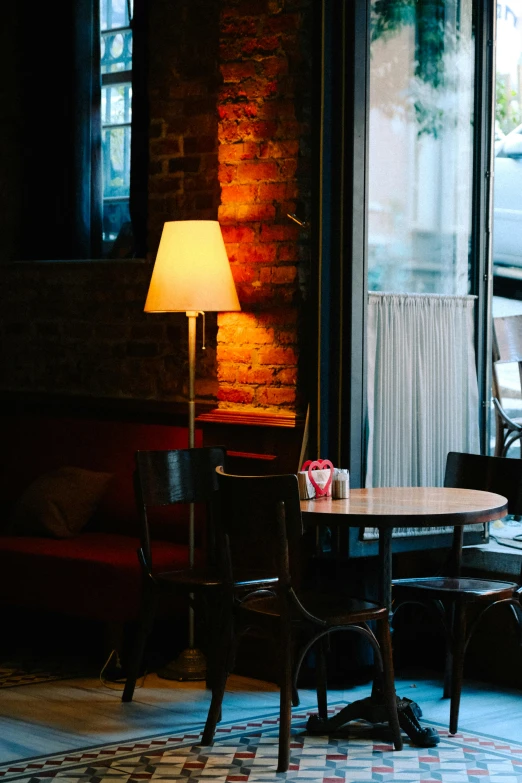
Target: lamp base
[{"x": 190, "y": 665}]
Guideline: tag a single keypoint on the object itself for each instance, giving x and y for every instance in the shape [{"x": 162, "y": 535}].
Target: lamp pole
[{"x": 191, "y": 663}]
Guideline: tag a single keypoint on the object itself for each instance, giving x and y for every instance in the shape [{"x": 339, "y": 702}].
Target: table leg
[{"x": 372, "y": 709}]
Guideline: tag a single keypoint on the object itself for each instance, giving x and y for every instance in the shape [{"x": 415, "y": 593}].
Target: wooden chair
[
  {"x": 507, "y": 347},
  {"x": 461, "y": 602},
  {"x": 164, "y": 478},
  {"x": 260, "y": 528}
]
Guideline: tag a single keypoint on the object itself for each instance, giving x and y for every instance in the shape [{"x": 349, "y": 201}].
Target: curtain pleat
[{"x": 422, "y": 387}]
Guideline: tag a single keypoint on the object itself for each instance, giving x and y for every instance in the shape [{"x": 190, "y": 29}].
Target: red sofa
[{"x": 96, "y": 573}]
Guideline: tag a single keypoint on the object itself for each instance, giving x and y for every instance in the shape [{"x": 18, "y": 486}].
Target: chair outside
[
  {"x": 507, "y": 347},
  {"x": 164, "y": 478},
  {"x": 260, "y": 533},
  {"x": 461, "y": 602}
]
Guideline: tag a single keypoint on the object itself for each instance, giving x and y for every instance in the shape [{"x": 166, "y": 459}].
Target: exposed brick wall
[
  {"x": 229, "y": 130},
  {"x": 184, "y": 79},
  {"x": 264, "y": 141}
]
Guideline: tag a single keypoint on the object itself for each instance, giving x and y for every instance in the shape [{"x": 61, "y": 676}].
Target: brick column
[{"x": 263, "y": 134}]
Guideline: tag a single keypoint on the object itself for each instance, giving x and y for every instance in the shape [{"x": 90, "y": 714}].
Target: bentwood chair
[
  {"x": 260, "y": 527},
  {"x": 507, "y": 347},
  {"x": 168, "y": 478},
  {"x": 460, "y": 602}
]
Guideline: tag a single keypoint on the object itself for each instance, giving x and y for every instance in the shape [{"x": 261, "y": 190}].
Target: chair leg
[
  {"x": 322, "y": 688},
  {"x": 285, "y": 704},
  {"x": 459, "y": 646},
  {"x": 150, "y": 600},
  {"x": 221, "y": 665},
  {"x": 388, "y": 684}
]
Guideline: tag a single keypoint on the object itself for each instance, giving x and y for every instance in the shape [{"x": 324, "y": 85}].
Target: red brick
[
  {"x": 246, "y": 335},
  {"x": 254, "y": 130},
  {"x": 288, "y": 252},
  {"x": 264, "y": 45},
  {"x": 288, "y": 168},
  {"x": 244, "y": 274},
  {"x": 280, "y": 110},
  {"x": 238, "y": 194},
  {"x": 273, "y": 191},
  {"x": 270, "y": 90},
  {"x": 286, "y": 129},
  {"x": 226, "y": 173},
  {"x": 237, "y": 26},
  {"x": 280, "y": 233},
  {"x": 281, "y": 318},
  {"x": 275, "y": 66},
  {"x": 231, "y": 353},
  {"x": 233, "y": 394},
  {"x": 229, "y": 132},
  {"x": 232, "y": 153},
  {"x": 287, "y": 377},
  {"x": 227, "y": 373},
  {"x": 254, "y": 375},
  {"x": 165, "y": 147},
  {"x": 237, "y": 111},
  {"x": 254, "y": 171},
  {"x": 279, "y": 275},
  {"x": 236, "y": 72},
  {"x": 279, "y": 149},
  {"x": 254, "y": 213},
  {"x": 237, "y": 319},
  {"x": 276, "y": 396},
  {"x": 257, "y": 254},
  {"x": 226, "y": 213},
  {"x": 283, "y": 23},
  {"x": 241, "y": 234},
  {"x": 277, "y": 355}
]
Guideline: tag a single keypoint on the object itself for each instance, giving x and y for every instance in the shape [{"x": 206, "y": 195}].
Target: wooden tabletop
[{"x": 408, "y": 507}]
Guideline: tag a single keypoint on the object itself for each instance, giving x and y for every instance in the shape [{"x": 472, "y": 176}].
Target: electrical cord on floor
[{"x": 121, "y": 680}]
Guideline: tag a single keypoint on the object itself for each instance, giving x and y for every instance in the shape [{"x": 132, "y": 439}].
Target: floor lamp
[{"x": 191, "y": 275}]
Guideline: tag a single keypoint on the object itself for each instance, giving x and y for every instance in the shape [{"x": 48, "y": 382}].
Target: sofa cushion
[
  {"x": 94, "y": 575},
  {"x": 58, "y": 503}
]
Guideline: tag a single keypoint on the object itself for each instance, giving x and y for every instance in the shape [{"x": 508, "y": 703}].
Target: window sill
[{"x": 493, "y": 558}]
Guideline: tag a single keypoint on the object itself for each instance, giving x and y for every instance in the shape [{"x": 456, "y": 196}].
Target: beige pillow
[{"x": 58, "y": 504}]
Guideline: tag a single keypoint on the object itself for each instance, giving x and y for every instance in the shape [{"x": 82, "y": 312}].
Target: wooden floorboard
[{"x": 67, "y": 715}]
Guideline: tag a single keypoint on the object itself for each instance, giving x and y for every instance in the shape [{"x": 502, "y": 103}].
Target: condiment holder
[{"x": 319, "y": 479}]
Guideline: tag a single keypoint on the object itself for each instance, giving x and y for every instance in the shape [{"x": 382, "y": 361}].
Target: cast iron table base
[{"x": 374, "y": 711}]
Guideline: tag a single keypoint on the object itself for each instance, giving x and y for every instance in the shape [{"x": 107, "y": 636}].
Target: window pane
[
  {"x": 115, "y": 215},
  {"x": 420, "y": 154},
  {"x": 116, "y": 162},
  {"x": 114, "y": 13},
  {"x": 116, "y": 51},
  {"x": 116, "y": 104}
]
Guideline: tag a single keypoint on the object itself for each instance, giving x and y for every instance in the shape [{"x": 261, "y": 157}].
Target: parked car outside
[{"x": 507, "y": 202}]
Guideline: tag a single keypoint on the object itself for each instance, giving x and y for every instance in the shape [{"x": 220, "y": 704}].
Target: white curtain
[{"x": 422, "y": 387}]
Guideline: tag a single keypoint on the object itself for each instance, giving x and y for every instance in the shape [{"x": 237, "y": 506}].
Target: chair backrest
[
  {"x": 261, "y": 526},
  {"x": 501, "y": 475},
  {"x": 507, "y": 345},
  {"x": 491, "y": 474},
  {"x": 164, "y": 478}
]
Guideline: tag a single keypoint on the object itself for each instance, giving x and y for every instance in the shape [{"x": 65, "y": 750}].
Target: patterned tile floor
[{"x": 247, "y": 751}]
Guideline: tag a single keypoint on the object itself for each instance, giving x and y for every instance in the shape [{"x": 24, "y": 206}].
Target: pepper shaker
[{"x": 341, "y": 484}]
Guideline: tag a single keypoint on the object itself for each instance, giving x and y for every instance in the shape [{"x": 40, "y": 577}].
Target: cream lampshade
[{"x": 192, "y": 271}]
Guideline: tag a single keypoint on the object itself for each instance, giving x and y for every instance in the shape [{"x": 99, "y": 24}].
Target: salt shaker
[{"x": 341, "y": 484}]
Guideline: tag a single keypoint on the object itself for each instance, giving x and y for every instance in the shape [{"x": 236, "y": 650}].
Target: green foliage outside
[{"x": 507, "y": 109}]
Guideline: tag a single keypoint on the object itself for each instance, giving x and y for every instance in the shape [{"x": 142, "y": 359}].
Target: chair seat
[
  {"x": 326, "y": 608},
  {"x": 444, "y": 585},
  {"x": 189, "y": 578},
  {"x": 194, "y": 578}
]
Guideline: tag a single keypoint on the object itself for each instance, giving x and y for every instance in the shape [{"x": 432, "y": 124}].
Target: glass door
[
  {"x": 404, "y": 138},
  {"x": 422, "y": 70}
]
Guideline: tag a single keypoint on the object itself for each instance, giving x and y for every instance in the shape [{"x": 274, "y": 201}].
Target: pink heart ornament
[{"x": 319, "y": 464}]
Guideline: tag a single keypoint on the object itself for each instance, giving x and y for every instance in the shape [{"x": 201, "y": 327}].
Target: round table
[{"x": 386, "y": 508}]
